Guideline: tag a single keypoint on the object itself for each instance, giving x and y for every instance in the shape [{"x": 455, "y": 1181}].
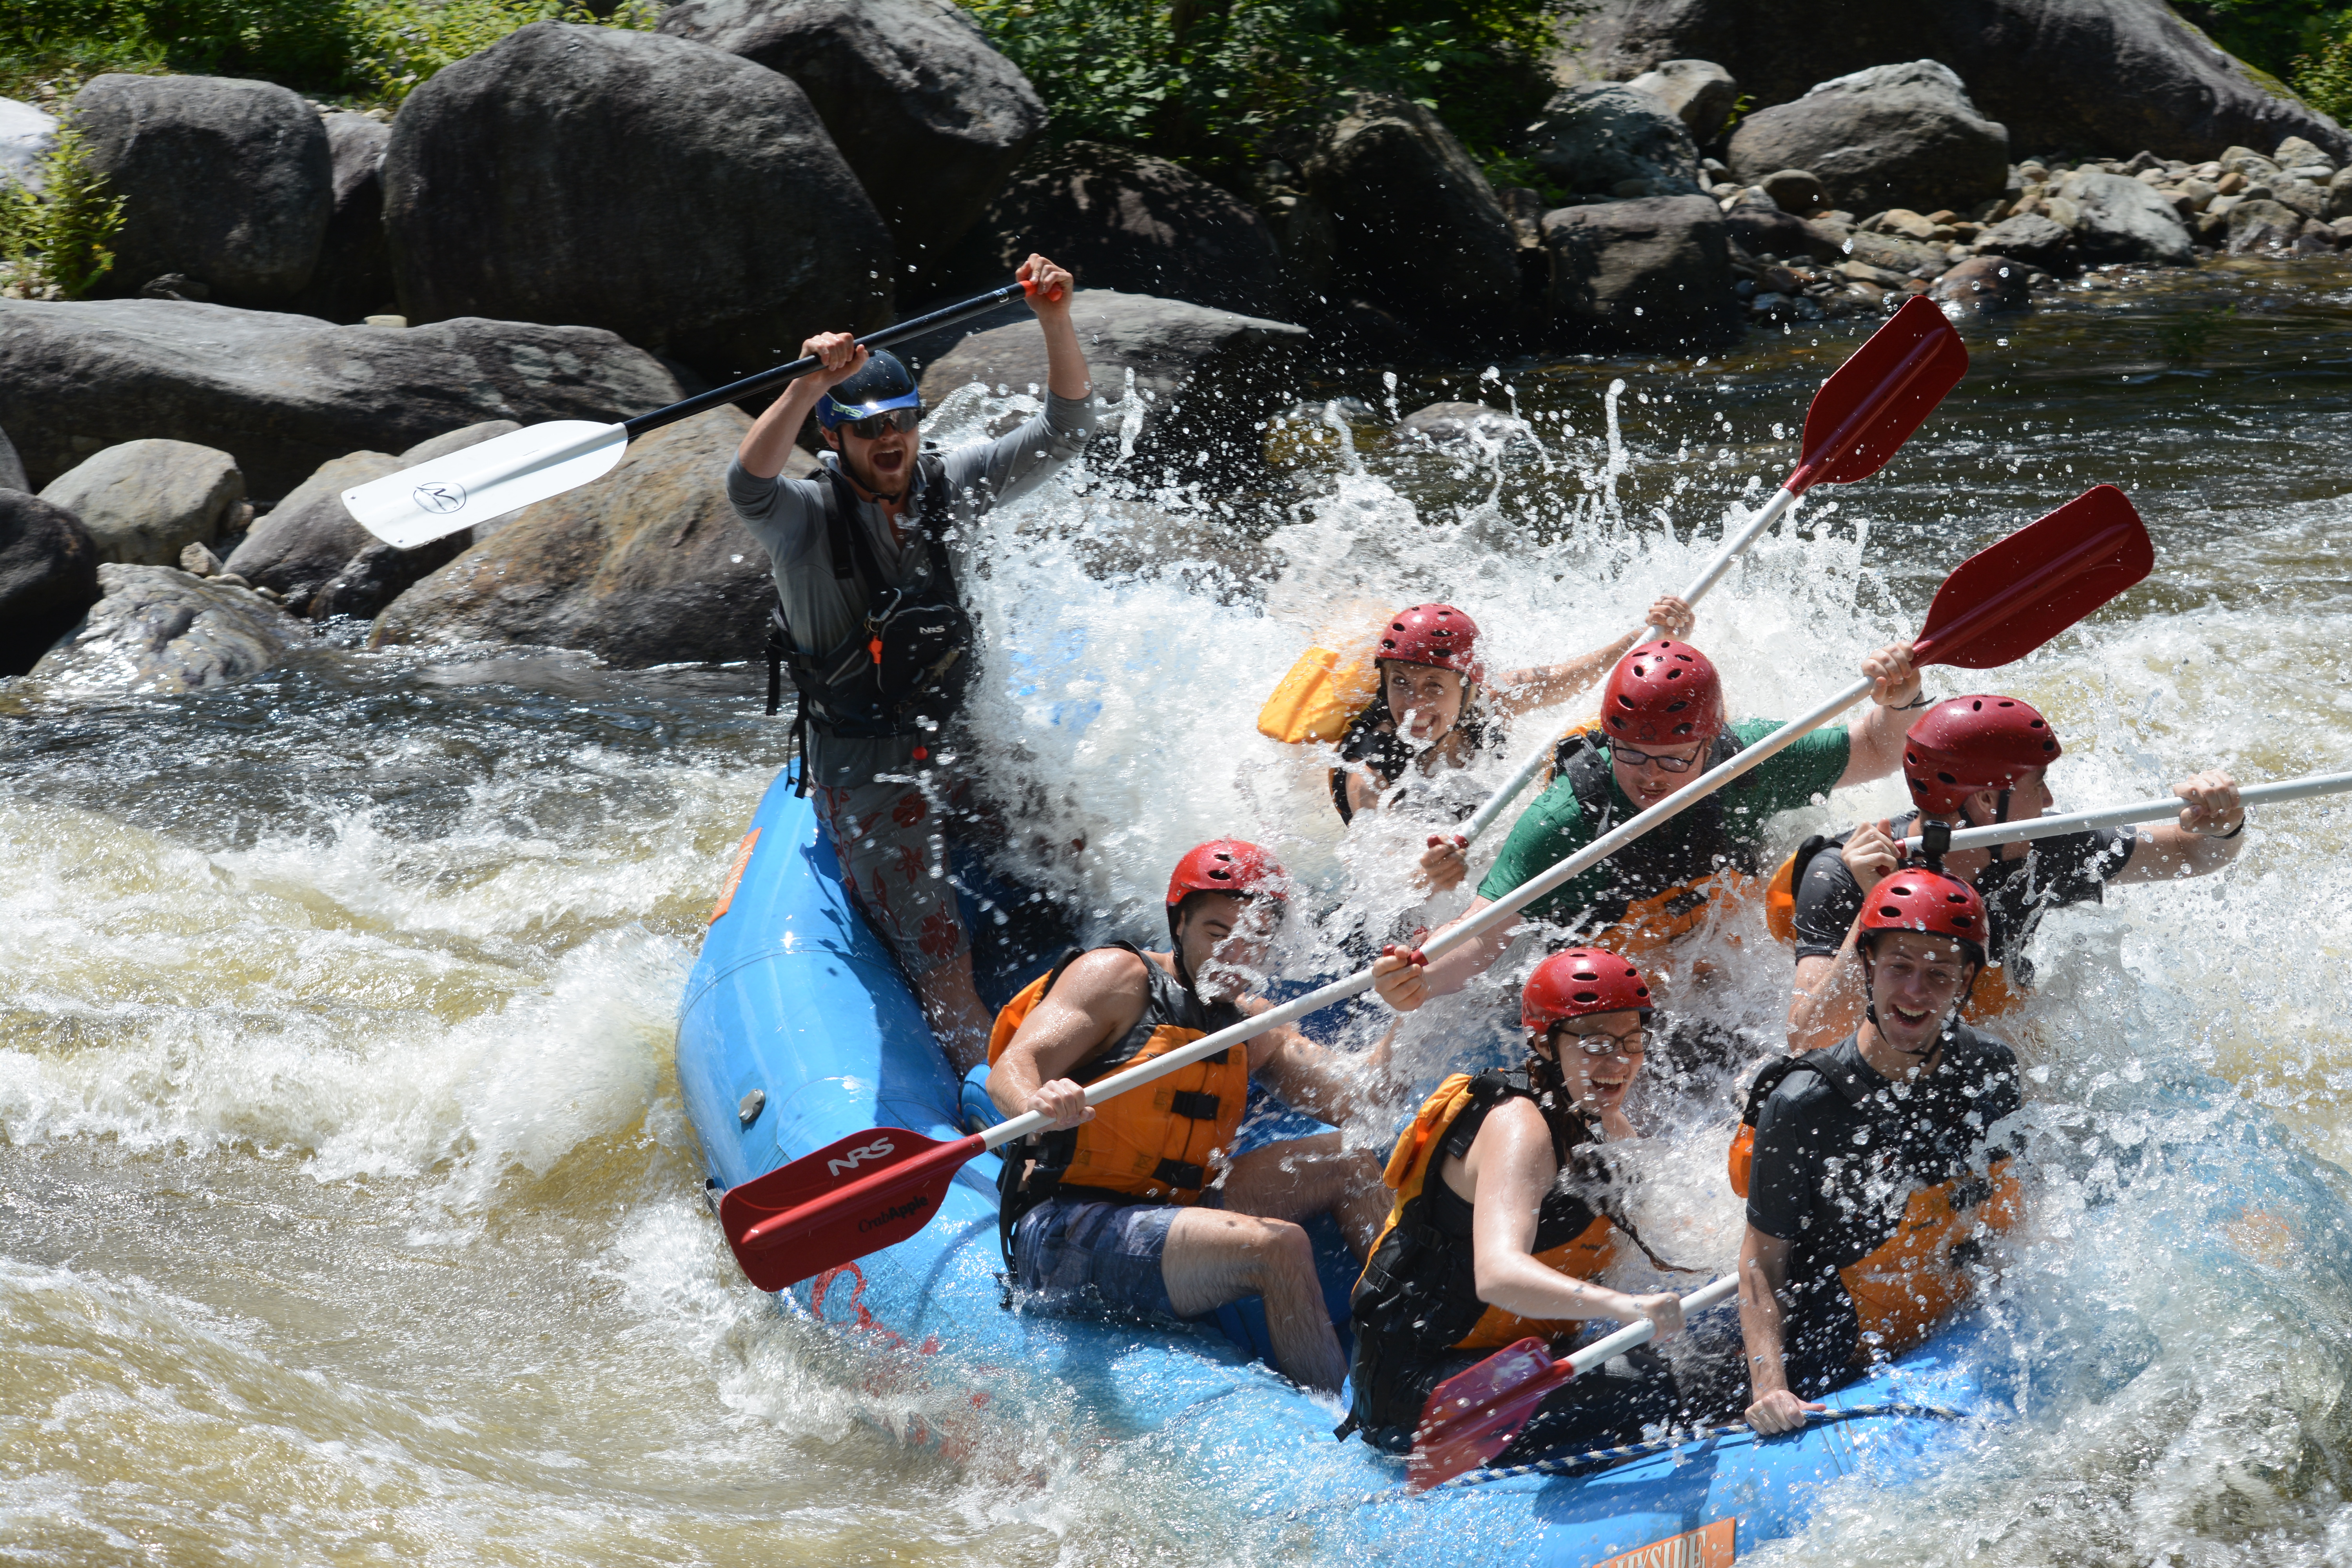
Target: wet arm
[
  {"x": 2210, "y": 832},
  {"x": 1763, "y": 1275},
  {"x": 1099, "y": 998},
  {"x": 1405, "y": 987},
  {"x": 1827, "y": 1003},
  {"x": 1512, "y": 1166},
  {"x": 1323, "y": 1082},
  {"x": 1874, "y": 746}
]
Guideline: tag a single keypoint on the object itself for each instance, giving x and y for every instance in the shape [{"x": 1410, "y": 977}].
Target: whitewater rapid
[{"x": 351, "y": 1211}]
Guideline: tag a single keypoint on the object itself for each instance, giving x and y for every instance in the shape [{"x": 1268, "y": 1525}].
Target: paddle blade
[
  {"x": 858, "y": 1195},
  {"x": 1864, "y": 412},
  {"x": 2013, "y": 597},
  {"x": 1472, "y": 1416},
  {"x": 418, "y": 505}
]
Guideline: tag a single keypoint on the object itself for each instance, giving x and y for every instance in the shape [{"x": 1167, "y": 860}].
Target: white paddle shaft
[
  {"x": 1771, "y": 513},
  {"x": 2304, "y": 788},
  {"x": 1503, "y": 909},
  {"x": 1643, "y": 1332}
]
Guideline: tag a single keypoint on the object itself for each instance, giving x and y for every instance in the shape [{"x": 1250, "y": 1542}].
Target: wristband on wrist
[
  {"x": 1924, "y": 701},
  {"x": 2225, "y": 837}
]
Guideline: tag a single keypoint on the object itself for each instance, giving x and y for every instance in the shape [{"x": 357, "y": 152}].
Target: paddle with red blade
[
  {"x": 1475, "y": 1415},
  {"x": 880, "y": 1187},
  {"x": 1861, "y": 415}
]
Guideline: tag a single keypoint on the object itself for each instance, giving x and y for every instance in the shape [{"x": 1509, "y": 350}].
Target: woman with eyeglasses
[
  {"x": 1662, "y": 726},
  {"x": 1504, "y": 1217},
  {"x": 869, "y": 623}
]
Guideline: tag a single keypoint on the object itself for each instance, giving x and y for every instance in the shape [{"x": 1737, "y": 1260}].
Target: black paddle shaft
[{"x": 736, "y": 390}]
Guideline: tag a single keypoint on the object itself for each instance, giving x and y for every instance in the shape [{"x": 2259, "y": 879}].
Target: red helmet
[
  {"x": 1969, "y": 743},
  {"x": 1913, "y": 899},
  {"x": 1436, "y": 634},
  {"x": 1580, "y": 981},
  {"x": 1662, "y": 694},
  {"x": 1226, "y": 866}
]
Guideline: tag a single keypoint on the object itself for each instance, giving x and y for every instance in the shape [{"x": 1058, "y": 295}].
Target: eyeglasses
[
  {"x": 870, "y": 428},
  {"x": 1602, "y": 1044},
  {"x": 1634, "y": 759}
]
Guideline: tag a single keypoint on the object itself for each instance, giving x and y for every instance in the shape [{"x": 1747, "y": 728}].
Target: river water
[{"x": 350, "y": 1213}]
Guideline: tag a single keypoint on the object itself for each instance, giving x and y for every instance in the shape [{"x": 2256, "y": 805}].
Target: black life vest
[
  {"x": 1914, "y": 1275},
  {"x": 1663, "y": 871},
  {"x": 912, "y": 659},
  {"x": 1372, "y": 740},
  {"x": 1418, "y": 1295},
  {"x": 1150, "y": 1145}
]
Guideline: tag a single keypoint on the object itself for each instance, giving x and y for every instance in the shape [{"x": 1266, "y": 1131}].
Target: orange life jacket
[
  {"x": 1989, "y": 997},
  {"x": 1155, "y": 1143},
  {"x": 1571, "y": 1237},
  {"x": 1323, "y": 691},
  {"x": 1906, "y": 1285}
]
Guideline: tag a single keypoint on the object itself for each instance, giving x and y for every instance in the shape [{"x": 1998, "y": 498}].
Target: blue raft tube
[{"x": 796, "y": 1030}]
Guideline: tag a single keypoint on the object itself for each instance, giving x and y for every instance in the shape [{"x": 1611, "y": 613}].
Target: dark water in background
[{"x": 347, "y": 1212}]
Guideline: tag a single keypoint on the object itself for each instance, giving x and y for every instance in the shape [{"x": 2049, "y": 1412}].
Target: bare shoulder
[{"x": 1105, "y": 972}]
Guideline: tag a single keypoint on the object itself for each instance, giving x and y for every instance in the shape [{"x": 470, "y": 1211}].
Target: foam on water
[{"x": 350, "y": 1206}]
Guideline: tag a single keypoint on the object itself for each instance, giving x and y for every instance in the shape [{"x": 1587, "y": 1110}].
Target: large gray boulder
[
  {"x": 145, "y": 501},
  {"x": 1700, "y": 93},
  {"x": 157, "y": 629},
  {"x": 2262, "y": 227},
  {"x": 1124, "y": 220},
  {"x": 1205, "y": 378},
  {"x": 284, "y": 393},
  {"x": 2103, "y": 76},
  {"x": 48, "y": 576},
  {"x": 675, "y": 194},
  {"x": 648, "y": 565},
  {"x": 930, "y": 118},
  {"x": 353, "y": 279},
  {"x": 1594, "y": 140},
  {"x": 2124, "y": 220},
  {"x": 2033, "y": 239},
  {"x": 1652, "y": 274},
  {"x": 311, "y": 549},
  {"x": 25, "y": 137},
  {"x": 227, "y": 181},
  {"x": 1398, "y": 215},
  {"x": 1890, "y": 136}
]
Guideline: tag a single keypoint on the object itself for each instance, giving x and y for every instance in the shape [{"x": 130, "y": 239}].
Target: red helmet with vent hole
[
  {"x": 1226, "y": 866},
  {"x": 1663, "y": 693},
  {"x": 1582, "y": 981},
  {"x": 1436, "y": 634},
  {"x": 1915, "y": 899},
  {"x": 1965, "y": 744}
]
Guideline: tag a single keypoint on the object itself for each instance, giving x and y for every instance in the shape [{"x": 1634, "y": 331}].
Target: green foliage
[
  {"x": 2270, "y": 35},
  {"x": 1213, "y": 82},
  {"x": 54, "y": 239},
  {"x": 403, "y": 42},
  {"x": 2324, "y": 76},
  {"x": 372, "y": 51}
]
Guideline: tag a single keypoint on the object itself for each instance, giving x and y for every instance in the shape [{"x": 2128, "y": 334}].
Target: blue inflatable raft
[{"x": 797, "y": 1030}]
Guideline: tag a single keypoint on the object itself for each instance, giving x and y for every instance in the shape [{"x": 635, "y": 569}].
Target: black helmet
[{"x": 883, "y": 384}]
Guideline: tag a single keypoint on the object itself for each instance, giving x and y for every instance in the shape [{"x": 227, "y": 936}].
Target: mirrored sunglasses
[{"x": 871, "y": 428}]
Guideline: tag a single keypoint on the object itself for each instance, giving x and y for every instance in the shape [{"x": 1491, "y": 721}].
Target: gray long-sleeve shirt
[{"x": 787, "y": 516}]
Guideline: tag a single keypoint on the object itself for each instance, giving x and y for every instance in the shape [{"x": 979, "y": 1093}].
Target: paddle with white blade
[
  {"x": 1861, "y": 415},
  {"x": 418, "y": 505},
  {"x": 865, "y": 1192},
  {"x": 2157, "y": 810}
]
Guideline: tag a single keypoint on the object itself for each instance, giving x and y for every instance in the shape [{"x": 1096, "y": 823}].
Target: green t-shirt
[{"x": 1555, "y": 828}]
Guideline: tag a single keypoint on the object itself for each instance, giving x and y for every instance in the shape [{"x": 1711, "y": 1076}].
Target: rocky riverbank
[{"x": 581, "y": 222}]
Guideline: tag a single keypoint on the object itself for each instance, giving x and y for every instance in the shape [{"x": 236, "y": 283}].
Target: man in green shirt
[{"x": 1660, "y": 728}]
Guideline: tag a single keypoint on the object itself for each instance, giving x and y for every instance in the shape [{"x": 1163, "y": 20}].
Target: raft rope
[{"x": 1603, "y": 1458}]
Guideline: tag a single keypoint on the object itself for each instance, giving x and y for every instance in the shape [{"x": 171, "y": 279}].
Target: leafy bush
[
  {"x": 55, "y": 239},
  {"x": 1215, "y": 83},
  {"x": 2268, "y": 34},
  {"x": 2325, "y": 78},
  {"x": 370, "y": 51}
]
